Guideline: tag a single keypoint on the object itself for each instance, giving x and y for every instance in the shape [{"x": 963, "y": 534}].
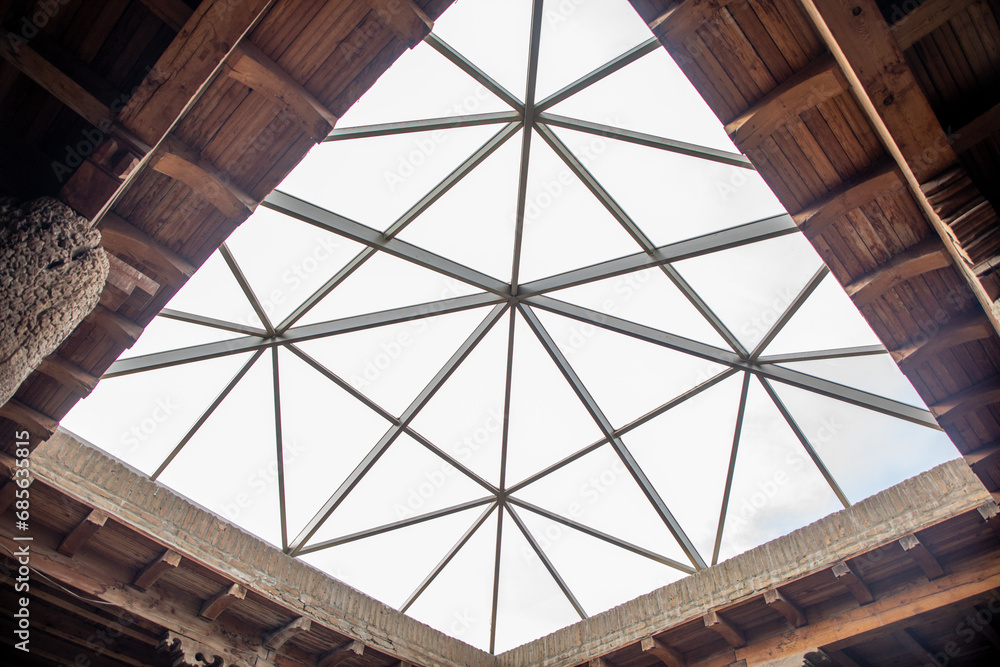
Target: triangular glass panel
[
  {"x": 579, "y": 37},
  {"x": 230, "y": 465},
  {"x": 597, "y": 490},
  {"x": 325, "y": 434},
  {"x": 645, "y": 297},
  {"x": 161, "y": 405},
  {"x": 653, "y": 96},
  {"x": 421, "y": 84},
  {"x": 547, "y": 420},
  {"x": 693, "y": 196},
  {"x": 385, "y": 282},
  {"x": 375, "y": 180},
  {"x": 565, "y": 226},
  {"x": 164, "y": 333},
  {"x": 577, "y": 556},
  {"x": 465, "y": 416},
  {"x": 473, "y": 223},
  {"x": 213, "y": 292},
  {"x": 749, "y": 287},
  {"x": 809, "y": 329},
  {"x": 876, "y": 374},
  {"x": 300, "y": 258},
  {"x": 843, "y": 434},
  {"x": 391, "y": 565},
  {"x": 685, "y": 452},
  {"x": 406, "y": 481},
  {"x": 776, "y": 487},
  {"x": 459, "y": 601},
  {"x": 493, "y": 35},
  {"x": 392, "y": 364},
  {"x": 530, "y": 603},
  {"x": 627, "y": 377}
]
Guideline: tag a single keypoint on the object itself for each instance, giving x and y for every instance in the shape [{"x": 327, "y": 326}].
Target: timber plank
[
  {"x": 751, "y": 25},
  {"x": 792, "y": 50}
]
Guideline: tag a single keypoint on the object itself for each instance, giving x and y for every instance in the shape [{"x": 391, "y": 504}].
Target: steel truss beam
[
  {"x": 601, "y": 72},
  {"x": 787, "y": 376},
  {"x": 201, "y": 320},
  {"x": 355, "y": 231},
  {"x": 609, "y": 432},
  {"x": 307, "y": 332},
  {"x": 426, "y": 125},
  {"x": 647, "y": 140},
  {"x": 760, "y": 230},
  {"x": 394, "y": 431},
  {"x": 446, "y": 184},
  {"x": 479, "y": 75}
]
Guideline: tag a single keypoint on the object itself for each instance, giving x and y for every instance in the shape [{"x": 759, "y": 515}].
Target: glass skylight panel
[{"x": 593, "y": 355}]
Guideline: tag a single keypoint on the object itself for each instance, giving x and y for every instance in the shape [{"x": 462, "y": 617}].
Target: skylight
[{"x": 524, "y": 338}]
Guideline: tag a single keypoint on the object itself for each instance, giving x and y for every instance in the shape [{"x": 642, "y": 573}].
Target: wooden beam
[
  {"x": 984, "y": 462},
  {"x": 172, "y": 12},
  {"x": 777, "y": 601},
  {"x": 859, "y": 33},
  {"x": 277, "y": 638},
  {"x": 179, "y": 161},
  {"x": 817, "y": 82},
  {"x": 222, "y": 601},
  {"x": 71, "y": 376},
  {"x": 977, "y": 130},
  {"x": 80, "y": 535},
  {"x": 36, "y": 422},
  {"x": 977, "y": 396},
  {"x": 965, "y": 329},
  {"x": 8, "y": 492},
  {"x": 340, "y": 654},
  {"x": 925, "y": 19},
  {"x": 684, "y": 18},
  {"x": 991, "y": 515},
  {"x": 848, "y": 576},
  {"x": 670, "y": 657},
  {"x": 15, "y": 50},
  {"x": 599, "y": 662},
  {"x": 881, "y": 178},
  {"x": 253, "y": 68},
  {"x": 976, "y": 577},
  {"x": 166, "y": 561},
  {"x": 405, "y": 18},
  {"x": 121, "y": 329},
  {"x": 122, "y": 238},
  {"x": 126, "y": 283},
  {"x": 923, "y": 257},
  {"x": 908, "y": 640},
  {"x": 922, "y": 556},
  {"x": 733, "y": 635},
  {"x": 188, "y": 65}
]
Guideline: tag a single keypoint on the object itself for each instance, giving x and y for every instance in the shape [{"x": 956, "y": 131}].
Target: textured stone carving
[
  {"x": 52, "y": 271},
  {"x": 186, "y": 652}
]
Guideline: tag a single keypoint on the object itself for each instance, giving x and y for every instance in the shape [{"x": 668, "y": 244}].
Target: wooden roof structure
[{"x": 876, "y": 124}]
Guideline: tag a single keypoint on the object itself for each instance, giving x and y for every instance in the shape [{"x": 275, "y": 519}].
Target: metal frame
[{"x": 519, "y": 302}]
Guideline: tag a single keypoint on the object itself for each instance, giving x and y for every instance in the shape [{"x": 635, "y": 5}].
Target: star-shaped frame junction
[{"x": 526, "y": 117}]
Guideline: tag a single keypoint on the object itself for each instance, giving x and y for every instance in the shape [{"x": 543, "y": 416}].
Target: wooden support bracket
[
  {"x": 973, "y": 398},
  {"x": 733, "y": 635},
  {"x": 816, "y": 83},
  {"x": 777, "y": 601},
  {"x": 222, "y": 601},
  {"x": 848, "y": 576},
  {"x": 124, "y": 239},
  {"x": 39, "y": 424},
  {"x": 405, "y": 18},
  {"x": 277, "y": 638},
  {"x": 667, "y": 655},
  {"x": 684, "y": 18},
  {"x": 71, "y": 376},
  {"x": 922, "y": 556},
  {"x": 80, "y": 535},
  {"x": 123, "y": 330},
  {"x": 253, "y": 68},
  {"x": 882, "y": 178},
  {"x": 984, "y": 461},
  {"x": 925, "y": 19},
  {"x": 965, "y": 329},
  {"x": 340, "y": 654},
  {"x": 167, "y": 561},
  {"x": 179, "y": 161},
  {"x": 927, "y": 255}
]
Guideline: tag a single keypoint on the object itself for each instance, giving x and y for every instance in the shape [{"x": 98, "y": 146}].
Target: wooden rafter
[
  {"x": 341, "y": 653},
  {"x": 84, "y": 530},
  {"x": 122, "y": 238},
  {"x": 684, "y": 18},
  {"x": 68, "y": 374},
  {"x": 925, "y": 19},
  {"x": 778, "y": 601},
  {"x": 121, "y": 329},
  {"x": 278, "y": 637},
  {"x": 847, "y": 575},
  {"x": 922, "y": 556},
  {"x": 927, "y": 255},
  {"x": 880, "y": 179},
  {"x": 156, "y": 568},
  {"x": 970, "y": 327},
  {"x": 405, "y": 18},
  {"x": 668, "y": 655},
  {"x": 726, "y": 629},
  {"x": 35, "y": 421},
  {"x": 179, "y": 161},
  {"x": 222, "y": 601}
]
